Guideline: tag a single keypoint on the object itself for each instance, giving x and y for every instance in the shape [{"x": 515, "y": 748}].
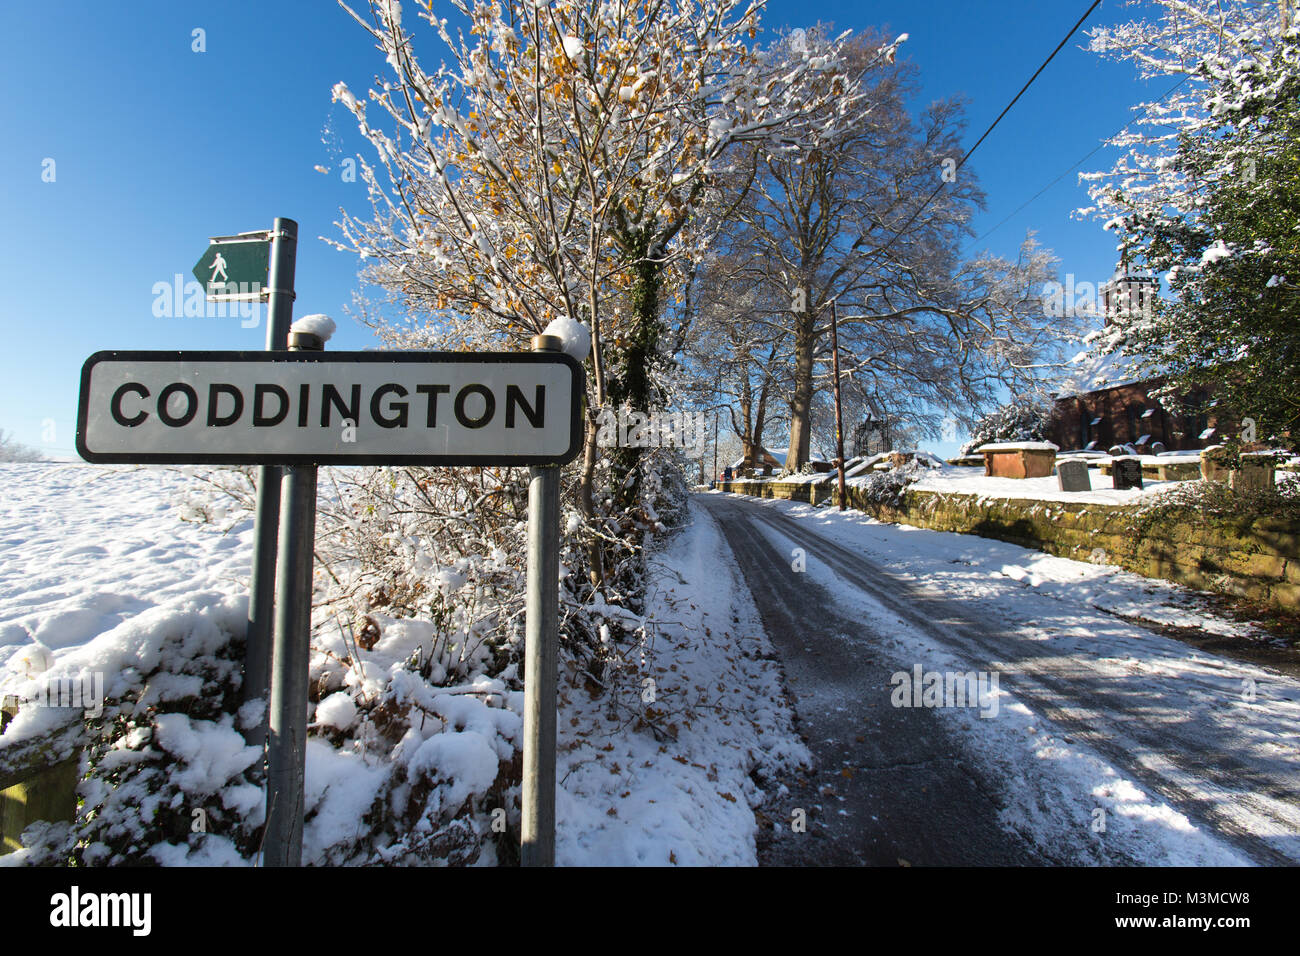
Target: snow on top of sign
[
  {"x": 319, "y": 325},
  {"x": 574, "y": 335}
]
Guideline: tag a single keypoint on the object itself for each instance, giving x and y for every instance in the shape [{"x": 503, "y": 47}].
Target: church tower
[{"x": 1129, "y": 292}]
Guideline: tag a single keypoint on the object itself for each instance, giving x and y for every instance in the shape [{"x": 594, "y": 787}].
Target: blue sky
[{"x": 156, "y": 147}]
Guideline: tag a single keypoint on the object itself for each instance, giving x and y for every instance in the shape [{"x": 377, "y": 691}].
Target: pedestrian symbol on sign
[
  {"x": 235, "y": 267},
  {"x": 218, "y": 265}
]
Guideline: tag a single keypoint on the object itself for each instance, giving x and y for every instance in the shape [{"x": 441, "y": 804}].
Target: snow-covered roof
[
  {"x": 777, "y": 456},
  {"x": 1090, "y": 372}
]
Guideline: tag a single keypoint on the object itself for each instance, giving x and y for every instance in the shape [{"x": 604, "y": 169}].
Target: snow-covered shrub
[
  {"x": 1201, "y": 500},
  {"x": 417, "y": 648},
  {"x": 1024, "y": 419},
  {"x": 400, "y": 768},
  {"x": 888, "y": 487},
  {"x": 165, "y": 770},
  {"x": 218, "y": 495},
  {"x": 15, "y": 451}
]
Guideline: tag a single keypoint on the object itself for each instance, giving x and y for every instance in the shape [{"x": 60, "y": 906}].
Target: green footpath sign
[{"x": 235, "y": 267}]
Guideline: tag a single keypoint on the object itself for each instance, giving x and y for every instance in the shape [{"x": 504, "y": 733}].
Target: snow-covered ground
[
  {"x": 99, "y": 573},
  {"x": 973, "y": 481},
  {"x": 632, "y": 799},
  {"x": 1090, "y": 616},
  {"x": 84, "y": 548}
]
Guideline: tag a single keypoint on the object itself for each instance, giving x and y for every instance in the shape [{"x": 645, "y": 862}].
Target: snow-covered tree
[
  {"x": 921, "y": 330},
  {"x": 734, "y": 353},
  {"x": 1207, "y": 191},
  {"x": 12, "y": 450},
  {"x": 1023, "y": 419},
  {"x": 557, "y": 164}
]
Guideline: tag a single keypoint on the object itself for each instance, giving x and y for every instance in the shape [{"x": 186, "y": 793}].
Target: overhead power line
[
  {"x": 1096, "y": 149},
  {"x": 970, "y": 152}
]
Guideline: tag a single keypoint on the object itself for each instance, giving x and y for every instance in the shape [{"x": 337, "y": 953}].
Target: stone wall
[
  {"x": 38, "y": 781},
  {"x": 813, "y": 492},
  {"x": 1253, "y": 558}
]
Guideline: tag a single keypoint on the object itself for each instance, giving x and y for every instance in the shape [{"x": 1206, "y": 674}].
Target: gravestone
[
  {"x": 1216, "y": 463},
  {"x": 1158, "y": 448},
  {"x": 1019, "y": 459},
  {"x": 1126, "y": 473},
  {"x": 1073, "y": 475},
  {"x": 1255, "y": 474}
]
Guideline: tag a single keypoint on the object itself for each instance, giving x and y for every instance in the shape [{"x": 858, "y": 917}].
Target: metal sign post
[
  {"x": 287, "y": 750},
  {"x": 541, "y": 638},
  {"x": 261, "y": 590},
  {"x": 251, "y": 266}
]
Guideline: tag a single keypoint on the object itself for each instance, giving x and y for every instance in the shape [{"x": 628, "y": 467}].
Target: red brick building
[{"x": 1128, "y": 414}]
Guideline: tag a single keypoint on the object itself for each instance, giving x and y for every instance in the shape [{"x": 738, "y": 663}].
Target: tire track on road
[
  {"x": 891, "y": 786},
  {"x": 1170, "y": 759}
]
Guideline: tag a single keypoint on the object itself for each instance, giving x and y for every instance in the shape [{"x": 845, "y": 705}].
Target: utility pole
[
  {"x": 703, "y": 452},
  {"x": 839, "y": 420},
  {"x": 715, "y": 444}
]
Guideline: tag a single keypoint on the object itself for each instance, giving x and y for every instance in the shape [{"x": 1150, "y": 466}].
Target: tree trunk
[
  {"x": 746, "y": 424},
  {"x": 801, "y": 397},
  {"x": 630, "y": 382},
  {"x": 760, "y": 416},
  {"x": 586, "y": 501}
]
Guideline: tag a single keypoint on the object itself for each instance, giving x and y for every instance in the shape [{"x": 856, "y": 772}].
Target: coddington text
[{"x": 266, "y": 405}]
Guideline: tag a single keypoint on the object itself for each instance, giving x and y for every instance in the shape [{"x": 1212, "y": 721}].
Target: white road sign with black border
[{"x": 345, "y": 408}]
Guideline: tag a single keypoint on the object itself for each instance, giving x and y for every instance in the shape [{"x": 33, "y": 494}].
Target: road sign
[
  {"x": 346, "y": 408},
  {"x": 235, "y": 267}
]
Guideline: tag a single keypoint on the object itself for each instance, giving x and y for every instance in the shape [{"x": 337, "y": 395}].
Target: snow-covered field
[
  {"x": 100, "y": 574},
  {"x": 84, "y": 548}
]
